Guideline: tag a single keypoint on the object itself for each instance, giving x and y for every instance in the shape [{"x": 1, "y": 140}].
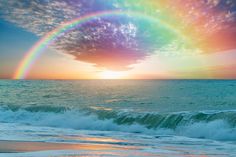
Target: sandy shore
[{"x": 19, "y": 146}]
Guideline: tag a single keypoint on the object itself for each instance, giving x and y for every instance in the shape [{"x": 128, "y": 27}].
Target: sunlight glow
[{"x": 112, "y": 75}]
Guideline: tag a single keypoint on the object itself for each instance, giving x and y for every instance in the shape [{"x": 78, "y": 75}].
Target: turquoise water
[{"x": 180, "y": 110}]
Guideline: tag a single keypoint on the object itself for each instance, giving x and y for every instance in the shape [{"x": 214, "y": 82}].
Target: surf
[{"x": 217, "y": 125}]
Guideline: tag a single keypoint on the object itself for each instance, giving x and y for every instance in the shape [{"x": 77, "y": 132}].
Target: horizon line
[{"x": 118, "y": 79}]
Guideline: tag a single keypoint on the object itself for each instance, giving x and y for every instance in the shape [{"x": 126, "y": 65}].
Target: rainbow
[{"x": 37, "y": 49}]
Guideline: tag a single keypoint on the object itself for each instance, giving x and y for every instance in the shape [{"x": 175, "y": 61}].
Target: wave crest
[{"x": 210, "y": 125}]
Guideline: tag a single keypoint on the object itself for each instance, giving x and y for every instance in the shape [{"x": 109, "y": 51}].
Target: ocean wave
[{"x": 218, "y": 125}]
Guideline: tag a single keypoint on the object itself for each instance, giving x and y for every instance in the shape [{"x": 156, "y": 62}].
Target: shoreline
[{"x": 8, "y": 146}]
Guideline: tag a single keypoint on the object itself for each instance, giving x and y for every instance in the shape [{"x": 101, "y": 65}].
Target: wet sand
[{"x": 19, "y": 146}]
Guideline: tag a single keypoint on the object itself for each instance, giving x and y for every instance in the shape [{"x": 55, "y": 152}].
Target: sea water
[{"x": 147, "y": 117}]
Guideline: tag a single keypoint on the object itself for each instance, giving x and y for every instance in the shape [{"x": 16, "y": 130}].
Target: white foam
[{"x": 217, "y": 130}]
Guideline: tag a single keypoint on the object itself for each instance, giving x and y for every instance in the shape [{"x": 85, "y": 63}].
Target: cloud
[
  {"x": 106, "y": 43},
  {"x": 115, "y": 43}
]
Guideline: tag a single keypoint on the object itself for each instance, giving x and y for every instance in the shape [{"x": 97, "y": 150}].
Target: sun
[{"x": 107, "y": 74}]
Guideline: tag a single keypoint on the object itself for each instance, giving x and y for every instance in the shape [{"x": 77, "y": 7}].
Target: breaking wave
[{"x": 218, "y": 125}]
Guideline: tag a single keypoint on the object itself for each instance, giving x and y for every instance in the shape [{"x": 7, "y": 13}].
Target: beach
[{"x": 118, "y": 118}]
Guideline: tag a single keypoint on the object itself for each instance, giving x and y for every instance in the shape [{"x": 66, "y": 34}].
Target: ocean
[{"x": 118, "y": 117}]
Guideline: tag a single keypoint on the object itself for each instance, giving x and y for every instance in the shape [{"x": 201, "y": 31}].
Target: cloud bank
[{"x": 117, "y": 42}]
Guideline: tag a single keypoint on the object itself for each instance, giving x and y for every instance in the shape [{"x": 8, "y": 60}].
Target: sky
[{"x": 154, "y": 39}]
